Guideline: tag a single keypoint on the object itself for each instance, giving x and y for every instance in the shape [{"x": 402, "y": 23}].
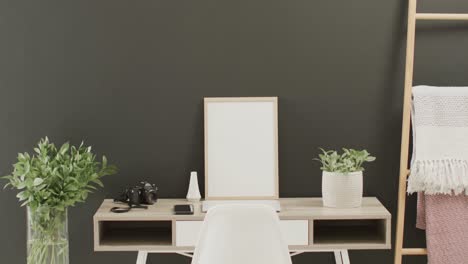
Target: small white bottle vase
[{"x": 193, "y": 194}]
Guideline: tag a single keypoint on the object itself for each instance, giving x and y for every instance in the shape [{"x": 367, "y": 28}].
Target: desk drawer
[
  {"x": 187, "y": 233},
  {"x": 295, "y": 232}
]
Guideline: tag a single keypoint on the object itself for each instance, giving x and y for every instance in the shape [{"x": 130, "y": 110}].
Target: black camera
[{"x": 145, "y": 193}]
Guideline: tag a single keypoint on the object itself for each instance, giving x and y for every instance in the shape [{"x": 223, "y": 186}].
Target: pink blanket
[{"x": 445, "y": 219}]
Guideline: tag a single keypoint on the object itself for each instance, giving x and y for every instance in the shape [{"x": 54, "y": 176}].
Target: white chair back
[{"x": 241, "y": 234}]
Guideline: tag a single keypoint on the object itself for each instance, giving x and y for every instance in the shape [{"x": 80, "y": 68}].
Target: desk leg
[
  {"x": 341, "y": 257},
  {"x": 141, "y": 258}
]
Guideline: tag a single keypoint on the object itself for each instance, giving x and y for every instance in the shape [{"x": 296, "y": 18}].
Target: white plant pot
[{"x": 342, "y": 190}]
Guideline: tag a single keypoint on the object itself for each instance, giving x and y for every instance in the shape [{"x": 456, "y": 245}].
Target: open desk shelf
[
  {"x": 134, "y": 233},
  {"x": 350, "y": 232}
]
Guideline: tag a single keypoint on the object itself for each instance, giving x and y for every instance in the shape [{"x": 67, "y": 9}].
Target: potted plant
[
  {"x": 342, "y": 177},
  {"x": 50, "y": 181}
]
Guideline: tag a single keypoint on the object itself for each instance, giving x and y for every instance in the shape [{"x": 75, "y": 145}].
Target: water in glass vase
[{"x": 47, "y": 236}]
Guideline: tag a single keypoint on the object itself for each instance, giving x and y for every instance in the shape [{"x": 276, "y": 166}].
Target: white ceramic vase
[
  {"x": 193, "y": 194},
  {"x": 342, "y": 190}
]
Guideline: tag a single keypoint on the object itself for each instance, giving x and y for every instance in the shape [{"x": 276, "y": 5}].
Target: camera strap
[{"x": 119, "y": 210}]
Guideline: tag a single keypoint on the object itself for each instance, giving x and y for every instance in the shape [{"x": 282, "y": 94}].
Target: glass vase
[{"x": 47, "y": 236}]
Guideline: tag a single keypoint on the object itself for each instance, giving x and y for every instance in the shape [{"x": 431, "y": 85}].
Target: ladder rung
[
  {"x": 440, "y": 16},
  {"x": 414, "y": 251}
]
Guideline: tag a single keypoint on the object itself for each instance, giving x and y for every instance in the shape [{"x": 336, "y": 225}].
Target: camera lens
[{"x": 152, "y": 197}]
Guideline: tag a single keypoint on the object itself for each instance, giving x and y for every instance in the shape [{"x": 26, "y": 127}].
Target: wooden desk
[{"x": 307, "y": 227}]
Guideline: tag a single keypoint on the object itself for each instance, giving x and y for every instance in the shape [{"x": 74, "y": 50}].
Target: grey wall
[{"x": 129, "y": 77}]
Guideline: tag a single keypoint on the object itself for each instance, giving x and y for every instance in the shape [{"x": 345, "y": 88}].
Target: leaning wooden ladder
[{"x": 413, "y": 16}]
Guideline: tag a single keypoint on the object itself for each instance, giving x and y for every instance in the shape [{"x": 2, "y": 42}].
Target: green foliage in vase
[
  {"x": 50, "y": 181},
  {"x": 349, "y": 161},
  {"x": 57, "y": 178}
]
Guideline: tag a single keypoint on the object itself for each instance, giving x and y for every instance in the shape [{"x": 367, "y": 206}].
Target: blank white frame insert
[{"x": 241, "y": 148}]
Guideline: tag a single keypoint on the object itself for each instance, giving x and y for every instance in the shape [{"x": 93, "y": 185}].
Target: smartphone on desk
[{"x": 183, "y": 209}]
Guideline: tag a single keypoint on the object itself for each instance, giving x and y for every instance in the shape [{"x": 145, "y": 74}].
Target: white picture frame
[{"x": 241, "y": 148}]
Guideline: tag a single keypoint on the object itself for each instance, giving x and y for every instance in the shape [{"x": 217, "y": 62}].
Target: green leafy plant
[
  {"x": 349, "y": 161},
  {"x": 50, "y": 181}
]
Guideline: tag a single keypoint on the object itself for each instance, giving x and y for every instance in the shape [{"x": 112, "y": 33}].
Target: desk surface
[
  {"x": 291, "y": 208},
  {"x": 156, "y": 229}
]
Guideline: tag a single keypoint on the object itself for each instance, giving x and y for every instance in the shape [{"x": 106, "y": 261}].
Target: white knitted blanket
[{"x": 440, "y": 140}]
